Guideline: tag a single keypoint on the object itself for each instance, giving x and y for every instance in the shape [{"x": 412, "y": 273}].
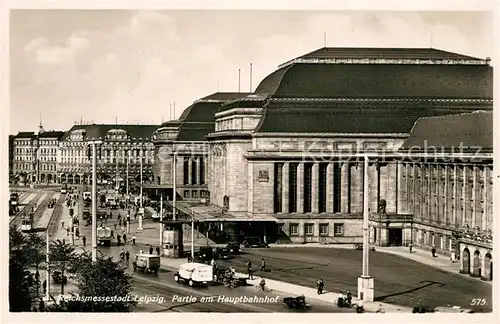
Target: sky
[{"x": 131, "y": 66}]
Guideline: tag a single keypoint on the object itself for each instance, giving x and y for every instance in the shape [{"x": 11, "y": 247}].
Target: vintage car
[
  {"x": 234, "y": 247},
  {"x": 222, "y": 253},
  {"x": 147, "y": 263},
  {"x": 194, "y": 274}
]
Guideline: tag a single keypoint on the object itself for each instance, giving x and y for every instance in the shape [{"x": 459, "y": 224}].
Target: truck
[
  {"x": 14, "y": 199},
  {"x": 104, "y": 235},
  {"x": 111, "y": 200},
  {"x": 147, "y": 263},
  {"x": 194, "y": 274}
]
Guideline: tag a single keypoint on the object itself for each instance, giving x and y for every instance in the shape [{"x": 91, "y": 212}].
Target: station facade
[{"x": 284, "y": 164}]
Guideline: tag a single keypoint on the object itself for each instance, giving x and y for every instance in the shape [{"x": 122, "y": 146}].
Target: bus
[{"x": 27, "y": 222}]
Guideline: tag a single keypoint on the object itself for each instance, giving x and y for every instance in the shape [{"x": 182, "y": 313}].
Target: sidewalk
[{"x": 424, "y": 256}]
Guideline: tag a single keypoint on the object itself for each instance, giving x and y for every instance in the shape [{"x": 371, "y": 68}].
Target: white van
[{"x": 194, "y": 274}]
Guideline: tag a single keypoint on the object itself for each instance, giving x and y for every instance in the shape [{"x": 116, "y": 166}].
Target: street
[{"x": 397, "y": 280}]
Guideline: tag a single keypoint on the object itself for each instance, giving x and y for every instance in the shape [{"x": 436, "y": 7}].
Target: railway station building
[{"x": 284, "y": 163}]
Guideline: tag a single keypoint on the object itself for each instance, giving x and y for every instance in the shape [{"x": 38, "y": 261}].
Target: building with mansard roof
[
  {"x": 184, "y": 141},
  {"x": 283, "y": 162},
  {"x": 35, "y": 156},
  {"x": 123, "y": 146}
]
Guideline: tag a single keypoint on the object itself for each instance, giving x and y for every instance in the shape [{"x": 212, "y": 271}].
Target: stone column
[
  {"x": 455, "y": 194},
  {"x": 390, "y": 185},
  {"x": 285, "y": 187},
  {"x": 464, "y": 196},
  {"x": 438, "y": 215},
  {"x": 429, "y": 193},
  {"x": 300, "y": 188},
  {"x": 414, "y": 190},
  {"x": 344, "y": 192},
  {"x": 485, "y": 199},
  {"x": 190, "y": 168},
  {"x": 315, "y": 188},
  {"x": 446, "y": 195},
  {"x": 475, "y": 197},
  {"x": 329, "y": 188}
]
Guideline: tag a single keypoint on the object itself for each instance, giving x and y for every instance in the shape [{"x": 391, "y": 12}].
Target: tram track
[
  {"x": 56, "y": 216},
  {"x": 16, "y": 221}
]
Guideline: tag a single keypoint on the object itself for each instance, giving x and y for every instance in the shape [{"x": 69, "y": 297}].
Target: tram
[{"x": 27, "y": 222}]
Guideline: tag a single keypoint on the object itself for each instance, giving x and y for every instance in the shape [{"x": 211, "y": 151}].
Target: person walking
[
  {"x": 124, "y": 238},
  {"x": 158, "y": 250},
  {"x": 263, "y": 265},
  {"x": 433, "y": 251},
  {"x": 44, "y": 286},
  {"x": 118, "y": 239},
  {"x": 127, "y": 255},
  {"x": 320, "y": 285},
  {"x": 410, "y": 247},
  {"x": 133, "y": 239},
  {"x": 249, "y": 268},
  {"x": 77, "y": 233},
  {"x": 115, "y": 226},
  {"x": 67, "y": 231},
  {"x": 84, "y": 240},
  {"x": 150, "y": 249}
]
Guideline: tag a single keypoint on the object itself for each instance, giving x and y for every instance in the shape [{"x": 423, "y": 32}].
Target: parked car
[
  {"x": 254, "y": 242},
  {"x": 222, "y": 253},
  {"x": 205, "y": 254},
  {"x": 234, "y": 247}
]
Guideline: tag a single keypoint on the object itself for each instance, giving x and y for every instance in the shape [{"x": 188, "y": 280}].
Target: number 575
[{"x": 478, "y": 302}]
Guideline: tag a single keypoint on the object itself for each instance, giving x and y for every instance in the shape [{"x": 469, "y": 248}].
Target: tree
[
  {"x": 60, "y": 257},
  {"x": 35, "y": 250},
  {"x": 104, "y": 277},
  {"x": 20, "y": 278}
]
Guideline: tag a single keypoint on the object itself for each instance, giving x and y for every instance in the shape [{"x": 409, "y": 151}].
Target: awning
[{"x": 211, "y": 213}]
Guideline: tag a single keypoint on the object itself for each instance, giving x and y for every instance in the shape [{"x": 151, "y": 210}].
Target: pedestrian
[
  {"x": 124, "y": 238},
  {"x": 410, "y": 246},
  {"x": 122, "y": 254},
  {"x": 118, "y": 239},
  {"x": 44, "y": 286},
  {"x": 133, "y": 239},
  {"x": 41, "y": 306},
  {"x": 250, "y": 273},
  {"x": 320, "y": 285},
  {"x": 120, "y": 221},
  {"x": 62, "y": 225},
  {"x": 158, "y": 250},
  {"x": 263, "y": 265},
  {"x": 67, "y": 231},
  {"x": 115, "y": 226},
  {"x": 150, "y": 249},
  {"x": 112, "y": 234},
  {"x": 433, "y": 251},
  {"x": 77, "y": 232},
  {"x": 127, "y": 255},
  {"x": 84, "y": 240}
]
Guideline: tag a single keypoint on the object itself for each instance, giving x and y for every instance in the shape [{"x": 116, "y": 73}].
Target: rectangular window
[
  {"x": 337, "y": 189},
  {"x": 309, "y": 229},
  {"x": 202, "y": 171},
  {"x": 294, "y": 229},
  {"x": 195, "y": 194},
  {"x": 194, "y": 171},
  {"x": 185, "y": 172},
  {"x": 322, "y": 187},
  {"x": 307, "y": 187},
  {"x": 323, "y": 229},
  {"x": 277, "y": 186},
  {"x": 203, "y": 193},
  {"x": 338, "y": 229},
  {"x": 186, "y": 193},
  {"x": 292, "y": 190}
]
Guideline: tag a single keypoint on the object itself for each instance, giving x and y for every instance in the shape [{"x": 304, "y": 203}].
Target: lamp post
[
  {"x": 161, "y": 221},
  {"x": 192, "y": 235},
  {"x": 94, "y": 199},
  {"x": 174, "y": 184},
  {"x": 141, "y": 210},
  {"x": 365, "y": 282},
  {"x": 47, "y": 271},
  {"x": 128, "y": 159}
]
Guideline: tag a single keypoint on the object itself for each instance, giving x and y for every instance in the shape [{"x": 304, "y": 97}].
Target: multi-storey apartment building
[
  {"x": 35, "y": 156},
  {"x": 24, "y": 158},
  {"x": 124, "y": 150}
]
